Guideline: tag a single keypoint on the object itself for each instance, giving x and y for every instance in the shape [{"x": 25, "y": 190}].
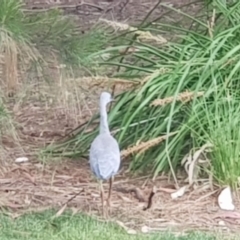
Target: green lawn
[{"x": 67, "y": 227}]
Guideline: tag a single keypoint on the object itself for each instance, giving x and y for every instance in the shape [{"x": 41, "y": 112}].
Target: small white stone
[{"x": 21, "y": 159}]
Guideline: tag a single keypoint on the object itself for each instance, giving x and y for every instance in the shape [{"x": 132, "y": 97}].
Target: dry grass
[
  {"x": 183, "y": 97},
  {"x": 15, "y": 59},
  {"x": 11, "y": 73},
  {"x": 77, "y": 96},
  {"x": 141, "y": 35},
  {"x": 104, "y": 82},
  {"x": 9, "y": 63}
]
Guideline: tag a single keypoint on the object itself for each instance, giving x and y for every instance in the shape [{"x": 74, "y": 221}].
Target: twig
[
  {"x": 74, "y": 196},
  {"x": 150, "y": 198}
]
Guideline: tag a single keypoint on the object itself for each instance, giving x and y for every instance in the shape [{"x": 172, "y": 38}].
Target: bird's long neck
[{"x": 103, "y": 119}]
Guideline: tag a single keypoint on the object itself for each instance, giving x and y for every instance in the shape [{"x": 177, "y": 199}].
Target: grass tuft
[{"x": 220, "y": 128}]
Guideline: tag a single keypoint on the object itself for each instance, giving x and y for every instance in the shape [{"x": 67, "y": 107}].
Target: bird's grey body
[{"x": 104, "y": 156}]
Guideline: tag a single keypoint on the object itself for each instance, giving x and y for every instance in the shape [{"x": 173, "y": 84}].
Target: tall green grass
[
  {"x": 221, "y": 128},
  {"x": 206, "y": 58}
]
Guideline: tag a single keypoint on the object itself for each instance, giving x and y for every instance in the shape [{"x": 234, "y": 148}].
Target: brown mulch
[{"x": 34, "y": 187}]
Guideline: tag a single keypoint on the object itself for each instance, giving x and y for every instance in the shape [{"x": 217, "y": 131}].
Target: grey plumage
[{"x": 104, "y": 154}]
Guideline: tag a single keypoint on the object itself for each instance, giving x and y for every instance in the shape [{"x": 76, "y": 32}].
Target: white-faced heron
[{"x": 104, "y": 151}]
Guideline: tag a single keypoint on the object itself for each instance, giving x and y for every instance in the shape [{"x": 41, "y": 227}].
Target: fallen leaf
[
  {"x": 179, "y": 193},
  {"x": 194, "y": 159},
  {"x": 225, "y": 200}
]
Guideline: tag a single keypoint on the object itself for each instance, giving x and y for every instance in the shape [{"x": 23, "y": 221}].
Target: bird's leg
[
  {"x": 102, "y": 195},
  {"x": 109, "y": 192}
]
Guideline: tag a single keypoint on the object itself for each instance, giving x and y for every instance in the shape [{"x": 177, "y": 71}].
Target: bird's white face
[{"x": 106, "y": 98}]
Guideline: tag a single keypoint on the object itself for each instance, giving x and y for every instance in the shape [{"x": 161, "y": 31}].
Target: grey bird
[{"x": 104, "y": 156}]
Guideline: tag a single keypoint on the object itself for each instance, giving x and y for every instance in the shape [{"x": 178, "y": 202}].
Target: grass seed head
[
  {"x": 144, "y": 146},
  {"x": 183, "y": 97}
]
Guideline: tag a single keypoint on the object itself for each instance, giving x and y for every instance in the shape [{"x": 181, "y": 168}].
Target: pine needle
[
  {"x": 144, "y": 146},
  {"x": 183, "y": 97}
]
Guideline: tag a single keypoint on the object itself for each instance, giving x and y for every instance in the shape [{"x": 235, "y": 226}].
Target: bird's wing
[{"x": 105, "y": 158}]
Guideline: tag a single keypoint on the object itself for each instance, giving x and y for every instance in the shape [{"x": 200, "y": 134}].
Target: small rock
[{"x": 21, "y": 159}]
